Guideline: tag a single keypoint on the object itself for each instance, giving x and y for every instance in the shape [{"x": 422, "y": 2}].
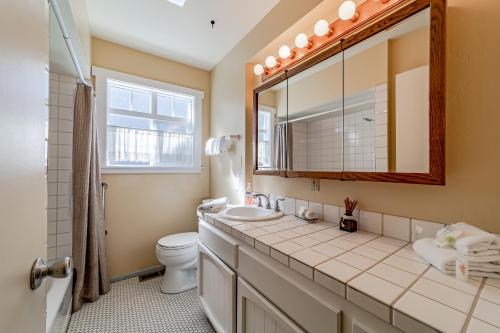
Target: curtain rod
[
  {"x": 327, "y": 112},
  {"x": 67, "y": 40}
]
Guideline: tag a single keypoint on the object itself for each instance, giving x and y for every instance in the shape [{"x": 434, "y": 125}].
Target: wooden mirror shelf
[{"x": 436, "y": 94}]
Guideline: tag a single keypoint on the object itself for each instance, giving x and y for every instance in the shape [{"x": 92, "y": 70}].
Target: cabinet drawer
[
  {"x": 288, "y": 294},
  {"x": 219, "y": 243},
  {"x": 257, "y": 314}
]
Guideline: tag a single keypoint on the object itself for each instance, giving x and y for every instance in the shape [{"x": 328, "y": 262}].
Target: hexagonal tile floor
[{"x": 140, "y": 307}]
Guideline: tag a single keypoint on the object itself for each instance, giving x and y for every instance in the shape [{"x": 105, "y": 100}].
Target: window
[
  {"x": 266, "y": 136},
  {"x": 147, "y": 126}
]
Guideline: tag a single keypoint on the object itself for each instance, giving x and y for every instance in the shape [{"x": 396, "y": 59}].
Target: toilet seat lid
[{"x": 179, "y": 241}]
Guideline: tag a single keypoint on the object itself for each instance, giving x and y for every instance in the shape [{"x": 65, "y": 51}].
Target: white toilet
[{"x": 179, "y": 254}]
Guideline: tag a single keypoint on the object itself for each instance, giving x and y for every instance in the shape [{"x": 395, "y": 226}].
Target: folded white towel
[
  {"x": 444, "y": 259},
  {"x": 467, "y": 239},
  {"x": 470, "y": 244},
  {"x": 439, "y": 257},
  {"x": 474, "y": 239},
  {"x": 492, "y": 259},
  {"x": 482, "y": 267},
  {"x": 209, "y": 147},
  {"x": 475, "y": 273},
  {"x": 483, "y": 253},
  {"x": 224, "y": 144},
  {"x": 213, "y": 206},
  {"x": 216, "y": 146}
]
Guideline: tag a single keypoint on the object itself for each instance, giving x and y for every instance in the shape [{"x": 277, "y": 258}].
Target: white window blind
[{"x": 149, "y": 126}]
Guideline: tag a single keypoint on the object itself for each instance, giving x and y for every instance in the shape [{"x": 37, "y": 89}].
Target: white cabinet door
[
  {"x": 217, "y": 290},
  {"x": 257, "y": 315}
]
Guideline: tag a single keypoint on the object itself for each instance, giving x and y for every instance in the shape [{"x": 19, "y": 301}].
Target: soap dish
[{"x": 307, "y": 220}]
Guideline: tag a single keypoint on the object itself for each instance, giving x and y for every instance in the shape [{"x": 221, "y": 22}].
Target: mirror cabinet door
[
  {"x": 386, "y": 103},
  {"x": 315, "y": 120},
  {"x": 271, "y": 131}
]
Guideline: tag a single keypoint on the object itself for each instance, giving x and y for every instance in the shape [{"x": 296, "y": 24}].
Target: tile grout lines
[{"x": 473, "y": 306}]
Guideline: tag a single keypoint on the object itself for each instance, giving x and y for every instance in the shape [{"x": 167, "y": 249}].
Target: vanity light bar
[{"x": 350, "y": 17}]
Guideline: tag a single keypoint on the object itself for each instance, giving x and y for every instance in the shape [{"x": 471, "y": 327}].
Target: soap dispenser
[{"x": 249, "y": 195}]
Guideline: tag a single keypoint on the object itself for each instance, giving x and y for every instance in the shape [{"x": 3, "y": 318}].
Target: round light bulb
[
  {"x": 258, "y": 69},
  {"x": 321, "y": 28},
  {"x": 347, "y": 10},
  {"x": 285, "y": 52},
  {"x": 301, "y": 40},
  {"x": 271, "y": 62}
]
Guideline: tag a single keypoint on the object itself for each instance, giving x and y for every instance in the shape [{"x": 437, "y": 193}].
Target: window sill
[{"x": 146, "y": 170}]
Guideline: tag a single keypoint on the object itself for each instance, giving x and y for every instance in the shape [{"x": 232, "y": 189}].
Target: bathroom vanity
[{"x": 286, "y": 275}]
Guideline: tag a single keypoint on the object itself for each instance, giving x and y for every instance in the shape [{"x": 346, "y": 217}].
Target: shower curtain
[
  {"x": 283, "y": 138},
  {"x": 89, "y": 246}
]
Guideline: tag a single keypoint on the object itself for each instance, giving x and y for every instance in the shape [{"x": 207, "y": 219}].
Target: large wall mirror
[{"x": 370, "y": 107}]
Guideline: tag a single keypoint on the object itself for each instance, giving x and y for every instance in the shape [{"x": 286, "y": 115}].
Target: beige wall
[
  {"x": 363, "y": 71},
  {"x": 141, "y": 208},
  {"x": 472, "y": 192},
  {"x": 268, "y": 98},
  {"x": 405, "y": 53}
]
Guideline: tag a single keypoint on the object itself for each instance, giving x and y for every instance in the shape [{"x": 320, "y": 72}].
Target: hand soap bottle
[{"x": 249, "y": 195}]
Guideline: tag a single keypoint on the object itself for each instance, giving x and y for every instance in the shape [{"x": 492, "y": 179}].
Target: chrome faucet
[
  {"x": 260, "y": 195},
  {"x": 277, "y": 205}
]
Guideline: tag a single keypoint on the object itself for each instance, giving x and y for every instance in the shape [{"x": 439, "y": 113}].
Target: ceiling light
[
  {"x": 322, "y": 28},
  {"x": 285, "y": 52},
  {"x": 301, "y": 40},
  {"x": 179, "y": 3},
  {"x": 258, "y": 69},
  {"x": 347, "y": 11},
  {"x": 271, "y": 62}
]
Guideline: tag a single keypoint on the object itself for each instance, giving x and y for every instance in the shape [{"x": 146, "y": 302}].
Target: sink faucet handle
[
  {"x": 277, "y": 204},
  {"x": 268, "y": 201},
  {"x": 255, "y": 196}
]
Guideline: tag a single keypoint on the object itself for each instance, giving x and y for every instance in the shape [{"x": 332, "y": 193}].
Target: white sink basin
[{"x": 250, "y": 214}]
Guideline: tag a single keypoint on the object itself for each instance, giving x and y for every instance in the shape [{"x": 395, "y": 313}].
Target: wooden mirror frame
[{"x": 437, "y": 111}]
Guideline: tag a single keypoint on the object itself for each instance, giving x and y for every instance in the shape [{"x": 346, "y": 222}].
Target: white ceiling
[{"x": 182, "y": 34}]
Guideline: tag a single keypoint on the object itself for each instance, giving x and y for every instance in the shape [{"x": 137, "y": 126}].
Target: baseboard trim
[{"x": 150, "y": 270}]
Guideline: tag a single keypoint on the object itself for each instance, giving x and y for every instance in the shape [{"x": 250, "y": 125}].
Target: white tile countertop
[{"x": 377, "y": 273}]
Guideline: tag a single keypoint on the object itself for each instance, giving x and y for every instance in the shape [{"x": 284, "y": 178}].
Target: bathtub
[{"x": 59, "y": 299}]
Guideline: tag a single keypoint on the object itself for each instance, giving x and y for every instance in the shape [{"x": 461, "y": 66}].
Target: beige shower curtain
[
  {"x": 89, "y": 244},
  {"x": 283, "y": 150}
]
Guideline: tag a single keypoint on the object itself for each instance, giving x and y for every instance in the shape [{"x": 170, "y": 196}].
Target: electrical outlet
[{"x": 315, "y": 185}]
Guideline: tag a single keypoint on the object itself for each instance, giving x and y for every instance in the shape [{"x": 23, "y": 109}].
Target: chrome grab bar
[{"x": 104, "y": 189}]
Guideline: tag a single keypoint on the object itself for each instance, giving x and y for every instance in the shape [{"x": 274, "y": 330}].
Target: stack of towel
[
  {"x": 480, "y": 248},
  {"x": 212, "y": 206},
  {"x": 216, "y": 146}
]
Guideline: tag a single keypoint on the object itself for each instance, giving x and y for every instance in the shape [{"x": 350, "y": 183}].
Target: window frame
[
  {"x": 272, "y": 119},
  {"x": 101, "y": 83}
]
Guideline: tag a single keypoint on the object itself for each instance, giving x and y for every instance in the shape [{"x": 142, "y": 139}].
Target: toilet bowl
[{"x": 179, "y": 254}]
